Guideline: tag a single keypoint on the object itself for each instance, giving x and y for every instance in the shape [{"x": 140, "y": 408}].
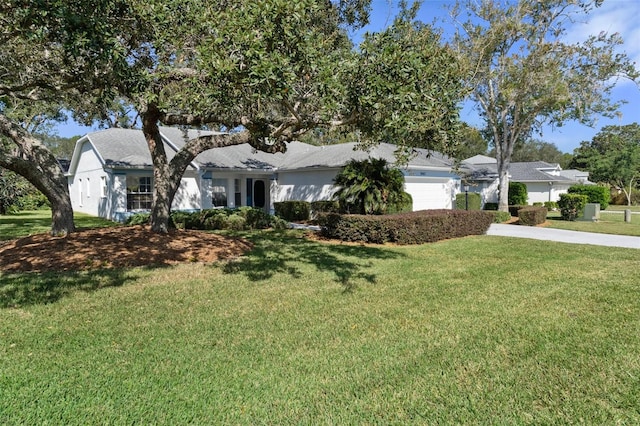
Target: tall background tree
[
  {"x": 522, "y": 74},
  {"x": 612, "y": 157}
]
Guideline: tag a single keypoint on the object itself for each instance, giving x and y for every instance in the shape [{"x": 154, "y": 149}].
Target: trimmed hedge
[
  {"x": 500, "y": 217},
  {"x": 594, "y": 193},
  {"x": 491, "y": 206},
  {"x": 572, "y": 205},
  {"x": 475, "y": 201},
  {"x": 407, "y": 228},
  {"x": 518, "y": 194},
  {"x": 213, "y": 219},
  {"x": 293, "y": 211},
  {"x": 326, "y": 206},
  {"x": 513, "y": 210},
  {"x": 551, "y": 205},
  {"x": 532, "y": 216}
]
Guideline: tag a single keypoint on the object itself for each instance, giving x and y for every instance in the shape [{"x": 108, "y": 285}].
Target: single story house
[
  {"x": 111, "y": 175},
  {"x": 544, "y": 181}
]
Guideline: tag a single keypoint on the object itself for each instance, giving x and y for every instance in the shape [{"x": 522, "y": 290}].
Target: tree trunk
[{"x": 32, "y": 160}]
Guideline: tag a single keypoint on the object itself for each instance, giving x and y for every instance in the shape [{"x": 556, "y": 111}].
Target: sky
[{"x": 619, "y": 16}]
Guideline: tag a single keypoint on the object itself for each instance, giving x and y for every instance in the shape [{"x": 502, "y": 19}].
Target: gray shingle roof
[{"x": 128, "y": 148}]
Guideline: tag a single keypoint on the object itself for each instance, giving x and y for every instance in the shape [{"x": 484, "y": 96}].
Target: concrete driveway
[{"x": 563, "y": 236}]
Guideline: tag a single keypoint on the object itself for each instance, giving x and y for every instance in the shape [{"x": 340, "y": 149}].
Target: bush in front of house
[
  {"x": 513, "y": 210},
  {"x": 532, "y": 216},
  {"x": 406, "y": 228},
  {"x": 500, "y": 217},
  {"x": 572, "y": 205},
  {"x": 595, "y": 194},
  {"x": 518, "y": 194},
  {"x": 551, "y": 205},
  {"x": 138, "y": 219},
  {"x": 293, "y": 211},
  {"x": 474, "y": 200},
  {"x": 323, "y": 206},
  {"x": 242, "y": 218},
  {"x": 491, "y": 206},
  {"x": 399, "y": 202}
]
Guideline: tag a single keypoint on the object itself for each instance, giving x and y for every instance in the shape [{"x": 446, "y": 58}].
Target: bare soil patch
[{"x": 116, "y": 247}]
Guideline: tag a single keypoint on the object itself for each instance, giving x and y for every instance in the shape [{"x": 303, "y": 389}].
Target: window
[
  {"x": 103, "y": 186},
  {"x": 139, "y": 195},
  {"x": 88, "y": 188},
  {"x": 219, "y": 192},
  {"x": 80, "y": 191},
  {"x": 237, "y": 190}
]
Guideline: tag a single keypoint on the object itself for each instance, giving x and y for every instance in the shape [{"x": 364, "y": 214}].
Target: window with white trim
[
  {"x": 139, "y": 192},
  {"x": 103, "y": 186},
  {"x": 219, "y": 192}
]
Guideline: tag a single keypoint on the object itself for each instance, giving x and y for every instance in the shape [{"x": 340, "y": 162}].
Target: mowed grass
[
  {"x": 479, "y": 330},
  {"x": 611, "y": 222},
  {"x": 39, "y": 221}
]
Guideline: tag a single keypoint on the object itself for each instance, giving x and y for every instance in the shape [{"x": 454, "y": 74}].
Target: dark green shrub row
[
  {"x": 242, "y": 218},
  {"x": 474, "y": 200},
  {"x": 572, "y": 205},
  {"x": 532, "y": 216},
  {"x": 594, "y": 193},
  {"x": 518, "y": 194},
  {"x": 293, "y": 211},
  {"x": 407, "y": 228},
  {"x": 491, "y": 206},
  {"x": 551, "y": 205}
]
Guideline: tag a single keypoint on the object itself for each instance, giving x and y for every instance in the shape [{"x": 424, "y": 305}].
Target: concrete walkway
[{"x": 563, "y": 236}]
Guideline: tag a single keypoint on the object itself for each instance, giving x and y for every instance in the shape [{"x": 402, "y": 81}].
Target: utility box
[{"x": 591, "y": 212}]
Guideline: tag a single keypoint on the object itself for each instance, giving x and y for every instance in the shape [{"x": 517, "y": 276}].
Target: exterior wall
[
  {"x": 313, "y": 185},
  {"x": 540, "y": 192},
  {"x": 188, "y": 195},
  {"x": 86, "y": 186}
]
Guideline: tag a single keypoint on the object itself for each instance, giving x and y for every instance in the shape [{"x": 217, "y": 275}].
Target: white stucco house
[
  {"x": 545, "y": 181},
  {"x": 111, "y": 176}
]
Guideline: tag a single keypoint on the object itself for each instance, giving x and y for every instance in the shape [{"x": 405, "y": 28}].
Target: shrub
[
  {"x": 214, "y": 219},
  {"x": 236, "y": 222},
  {"x": 532, "y": 216},
  {"x": 619, "y": 198},
  {"x": 138, "y": 219},
  {"x": 324, "y": 206},
  {"x": 500, "y": 217},
  {"x": 255, "y": 218},
  {"x": 406, "y": 228},
  {"x": 513, "y": 210},
  {"x": 594, "y": 193},
  {"x": 572, "y": 205},
  {"x": 475, "y": 201},
  {"x": 293, "y": 211},
  {"x": 537, "y": 204},
  {"x": 491, "y": 206},
  {"x": 551, "y": 205},
  {"x": 399, "y": 202},
  {"x": 517, "y": 194}
]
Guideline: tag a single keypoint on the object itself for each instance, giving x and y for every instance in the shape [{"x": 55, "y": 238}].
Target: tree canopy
[
  {"x": 522, "y": 74},
  {"x": 612, "y": 157}
]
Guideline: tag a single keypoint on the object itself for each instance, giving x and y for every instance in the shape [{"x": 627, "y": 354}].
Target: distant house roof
[
  {"x": 482, "y": 167},
  {"x": 127, "y": 148}
]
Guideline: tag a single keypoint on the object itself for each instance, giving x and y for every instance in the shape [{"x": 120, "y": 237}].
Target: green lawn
[
  {"x": 39, "y": 221},
  {"x": 611, "y": 222},
  {"x": 480, "y": 330}
]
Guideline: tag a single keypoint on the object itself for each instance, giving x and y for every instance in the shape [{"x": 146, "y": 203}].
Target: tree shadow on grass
[
  {"x": 282, "y": 253},
  {"x": 26, "y": 289}
]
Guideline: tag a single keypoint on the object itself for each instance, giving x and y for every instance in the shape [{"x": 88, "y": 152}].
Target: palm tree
[{"x": 369, "y": 187}]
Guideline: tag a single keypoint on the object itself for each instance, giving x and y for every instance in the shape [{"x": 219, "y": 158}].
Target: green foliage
[
  {"x": 620, "y": 198},
  {"x": 532, "y": 216},
  {"x": 12, "y": 187},
  {"x": 612, "y": 157},
  {"x": 369, "y": 187},
  {"x": 401, "y": 202},
  {"x": 474, "y": 201},
  {"x": 407, "y": 228},
  {"x": 325, "y": 206},
  {"x": 595, "y": 194},
  {"x": 513, "y": 210},
  {"x": 491, "y": 206},
  {"x": 293, "y": 211},
  {"x": 518, "y": 194},
  {"x": 551, "y": 205},
  {"x": 536, "y": 150},
  {"x": 138, "y": 219},
  {"x": 500, "y": 217},
  {"x": 572, "y": 205}
]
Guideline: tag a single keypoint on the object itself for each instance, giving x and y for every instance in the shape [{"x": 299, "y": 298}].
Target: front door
[{"x": 259, "y": 194}]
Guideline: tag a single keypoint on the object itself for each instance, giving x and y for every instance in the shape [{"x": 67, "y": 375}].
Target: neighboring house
[
  {"x": 111, "y": 174},
  {"x": 544, "y": 181}
]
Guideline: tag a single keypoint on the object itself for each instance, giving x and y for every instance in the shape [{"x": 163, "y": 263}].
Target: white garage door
[{"x": 427, "y": 194}]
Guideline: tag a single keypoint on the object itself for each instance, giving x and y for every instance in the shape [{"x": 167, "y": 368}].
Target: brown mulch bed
[{"x": 117, "y": 247}]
